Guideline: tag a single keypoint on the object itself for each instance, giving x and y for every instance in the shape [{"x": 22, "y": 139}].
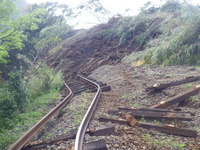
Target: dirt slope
[{"x": 85, "y": 50}]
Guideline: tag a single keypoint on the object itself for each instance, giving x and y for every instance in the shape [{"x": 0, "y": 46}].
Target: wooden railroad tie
[
  {"x": 98, "y": 131},
  {"x": 96, "y": 145},
  {"x": 169, "y": 129},
  {"x": 177, "y": 99},
  {"x": 160, "y": 87},
  {"x": 153, "y": 114}
]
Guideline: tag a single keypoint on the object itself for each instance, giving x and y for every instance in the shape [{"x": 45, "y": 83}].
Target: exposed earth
[
  {"x": 128, "y": 90},
  {"x": 98, "y": 52}
]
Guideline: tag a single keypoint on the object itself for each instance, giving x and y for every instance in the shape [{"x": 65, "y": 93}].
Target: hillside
[
  {"x": 128, "y": 54},
  {"x": 168, "y": 35}
]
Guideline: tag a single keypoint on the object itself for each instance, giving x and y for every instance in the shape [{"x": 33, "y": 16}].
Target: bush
[
  {"x": 171, "y": 6},
  {"x": 179, "y": 42},
  {"x": 8, "y": 108},
  {"x": 17, "y": 87},
  {"x": 43, "y": 81}
]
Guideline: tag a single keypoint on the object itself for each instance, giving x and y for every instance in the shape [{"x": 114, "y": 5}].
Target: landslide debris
[
  {"x": 85, "y": 50},
  {"x": 165, "y": 35}
]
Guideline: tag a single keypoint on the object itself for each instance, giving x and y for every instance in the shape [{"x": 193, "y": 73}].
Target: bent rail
[
  {"x": 84, "y": 124},
  {"x": 29, "y": 134}
]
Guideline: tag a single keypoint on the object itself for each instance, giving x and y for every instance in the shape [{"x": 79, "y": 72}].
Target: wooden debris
[
  {"x": 169, "y": 129},
  {"x": 177, "y": 99},
  {"x": 98, "y": 131},
  {"x": 113, "y": 112},
  {"x": 162, "y": 115},
  {"x": 122, "y": 122},
  {"x": 102, "y": 130},
  {"x": 151, "y": 109},
  {"x": 157, "y": 88},
  {"x": 153, "y": 114},
  {"x": 96, "y": 145},
  {"x": 128, "y": 117},
  {"x": 131, "y": 119}
]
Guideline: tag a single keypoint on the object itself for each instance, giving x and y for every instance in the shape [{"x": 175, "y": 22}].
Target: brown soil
[{"x": 90, "y": 48}]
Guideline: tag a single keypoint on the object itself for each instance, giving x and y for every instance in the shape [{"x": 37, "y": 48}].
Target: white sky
[{"x": 114, "y": 6}]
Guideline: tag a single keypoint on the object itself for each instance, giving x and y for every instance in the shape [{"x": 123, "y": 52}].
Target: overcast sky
[{"x": 114, "y": 6}]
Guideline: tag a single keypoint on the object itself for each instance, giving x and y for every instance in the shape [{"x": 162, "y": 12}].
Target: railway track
[
  {"x": 130, "y": 137},
  {"x": 38, "y": 126},
  {"x": 79, "y": 85}
]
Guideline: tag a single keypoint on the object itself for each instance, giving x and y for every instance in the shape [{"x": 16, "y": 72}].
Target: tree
[
  {"x": 96, "y": 9},
  {"x": 51, "y": 31},
  {"x": 12, "y": 33},
  {"x": 6, "y": 9}
]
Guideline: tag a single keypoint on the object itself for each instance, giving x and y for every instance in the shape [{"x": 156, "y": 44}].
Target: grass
[
  {"x": 192, "y": 99},
  {"x": 188, "y": 86},
  {"x": 128, "y": 96},
  {"x": 143, "y": 119},
  {"x": 33, "y": 114},
  {"x": 170, "y": 75},
  {"x": 134, "y": 76},
  {"x": 137, "y": 105},
  {"x": 78, "y": 118},
  {"x": 81, "y": 104},
  {"x": 164, "y": 38},
  {"x": 169, "y": 142}
]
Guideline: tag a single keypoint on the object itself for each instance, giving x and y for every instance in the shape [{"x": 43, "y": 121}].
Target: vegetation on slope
[
  {"x": 27, "y": 85},
  {"x": 164, "y": 35},
  {"x": 23, "y": 103},
  {"x": 178, "y": 40}
]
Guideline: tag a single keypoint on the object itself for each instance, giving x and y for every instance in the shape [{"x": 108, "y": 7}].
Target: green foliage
[
  {"x": 34, "y": 112},
  {"x": 44, "y": 80},
  {"x": 170, "y": 35},
  {"x": 171, "y": 6},
  {"x": 13, "y": 99},
  {"x": 12, "y": 33},
  {"x": 192, "y": 99},
  {"x": 136, "y": 105},
  {"x": 8, "y": 107},
  {"x": 188, "y": 85},
  {"x": 169, "y": 143},
  {"x": 138, "y": 30},
  {"x": 6, "y": 139},
  {"x": 7, "y": 7},
  {"x": 13, "y": 121},
  {"x": 51, "y": 31},
  {"x": 17, "y": 87}
]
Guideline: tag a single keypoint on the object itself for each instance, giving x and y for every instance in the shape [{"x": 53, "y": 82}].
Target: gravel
[{"x": 128, "y": 90}]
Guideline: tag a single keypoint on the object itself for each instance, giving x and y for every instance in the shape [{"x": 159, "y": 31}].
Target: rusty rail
[
  {"x": 84, "y": 124},
  {"x": 38, "y": 126}
]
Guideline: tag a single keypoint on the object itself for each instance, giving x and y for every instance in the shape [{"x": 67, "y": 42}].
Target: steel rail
[
  {"x": 84, "y": 124},
  {"x": 38, "y": 126}
]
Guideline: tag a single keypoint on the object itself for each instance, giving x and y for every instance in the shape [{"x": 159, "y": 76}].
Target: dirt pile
[{"x": 85, "y": 50}]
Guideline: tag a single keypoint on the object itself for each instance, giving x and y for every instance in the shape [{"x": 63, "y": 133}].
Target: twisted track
[
  {"x": 84, "y": 124},
  {"x": 38, "y": 126}
]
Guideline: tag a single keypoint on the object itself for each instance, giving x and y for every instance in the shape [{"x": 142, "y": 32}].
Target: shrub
[
  {"x": 43, "y": 81},
  {"x": 179, "y": 43},
  {"x": 17, "y": 87},
  {"x": 171, "y": 6},
  {"x": 8, "y": 108}
]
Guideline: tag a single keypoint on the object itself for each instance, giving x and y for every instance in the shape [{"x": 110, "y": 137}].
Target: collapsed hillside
[
  {"x": 90, "y": 48},
  {"x": 166, "y": 35}
]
